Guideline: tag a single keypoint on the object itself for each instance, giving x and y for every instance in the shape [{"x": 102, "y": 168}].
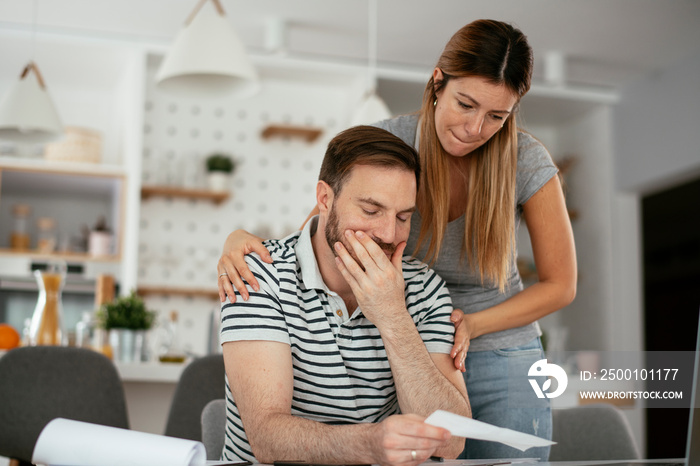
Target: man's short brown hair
[{"x": 365, "y": 145}]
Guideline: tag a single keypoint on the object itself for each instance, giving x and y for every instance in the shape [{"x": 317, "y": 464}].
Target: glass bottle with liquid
[
  {"x": 171, "y": 349},
  {"x": 104, "y": 293},
  {"x": 47, "y": 321}
]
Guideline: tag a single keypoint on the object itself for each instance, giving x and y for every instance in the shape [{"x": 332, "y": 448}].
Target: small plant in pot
[
  {"x": 219, "y": 169},
  {"x": 126, "y": 319}
]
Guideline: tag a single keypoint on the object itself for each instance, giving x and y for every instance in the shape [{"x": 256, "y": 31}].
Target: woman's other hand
[
  {"x": 232, "y": 268},
  {"x": 462, "y": 337}
]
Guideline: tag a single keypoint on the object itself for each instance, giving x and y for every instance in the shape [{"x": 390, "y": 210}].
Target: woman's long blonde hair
[{"x": 500, "y": 53}]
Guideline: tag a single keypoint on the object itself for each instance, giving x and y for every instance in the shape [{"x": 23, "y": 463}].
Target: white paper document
[
  {"x": 65, "y": 442},
  {"x": 461, "y": 426}
]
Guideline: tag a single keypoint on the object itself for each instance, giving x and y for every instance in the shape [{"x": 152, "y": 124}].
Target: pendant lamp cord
[
  {"x": 35, "y": 8},
  {"x": 217, "y": 5},
  {"x": 372, "y": 52},
  {"x": 32, "y": 64}
]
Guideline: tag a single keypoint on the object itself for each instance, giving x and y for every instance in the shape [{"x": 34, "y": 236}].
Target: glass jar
[
  {"x": 46, "y": 234},
  {"x": 19, "y": 237},
  {"x": 47, "y": 321}
]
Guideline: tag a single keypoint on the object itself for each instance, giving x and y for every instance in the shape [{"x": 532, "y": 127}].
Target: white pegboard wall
[
  {"x": 273, "y": 186},
  {"x": 197, "y": 324}
]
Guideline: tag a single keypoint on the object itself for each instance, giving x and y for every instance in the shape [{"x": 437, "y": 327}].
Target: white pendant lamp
[
  {"x": 207, "y": 58},
  {"x": 372, "y": 108},
  {"x": 27, "y": 114}
]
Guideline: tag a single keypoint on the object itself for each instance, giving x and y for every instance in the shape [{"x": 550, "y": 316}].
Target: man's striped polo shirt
[{"x": 341, "y": 371}]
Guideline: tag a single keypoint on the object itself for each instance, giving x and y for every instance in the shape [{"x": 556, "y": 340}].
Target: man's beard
[{"x": 334, "y": 235}]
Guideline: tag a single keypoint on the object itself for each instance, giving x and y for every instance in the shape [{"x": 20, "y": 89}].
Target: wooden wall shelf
[
  {"x": 164, "y": 290},
  {"x": 217, "y": 197},
  {"x": 303, "y": 132},
  {"x": 67, "y": 256}
]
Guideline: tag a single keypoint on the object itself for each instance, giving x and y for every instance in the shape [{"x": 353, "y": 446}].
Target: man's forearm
[
  {"x": 278, "y": 437},
  {"x": 420, "y": 386}
]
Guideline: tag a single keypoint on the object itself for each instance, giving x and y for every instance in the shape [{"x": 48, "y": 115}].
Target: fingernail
[
  {"x": 359, "y": 234},
  {"x": 256, "y": 287},
  {"x": 337, "y": 247}
]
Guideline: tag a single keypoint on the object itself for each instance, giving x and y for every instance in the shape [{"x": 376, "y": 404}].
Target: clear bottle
[
  {"x": 19, "y": 237},
  {"x": 26, "y": 332},
  {"x": 84, "y": 331},
  {"x": 171, "y": 350}
]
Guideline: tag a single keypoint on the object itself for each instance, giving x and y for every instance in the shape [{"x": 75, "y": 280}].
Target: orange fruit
[{"x": 9, "y": 337}]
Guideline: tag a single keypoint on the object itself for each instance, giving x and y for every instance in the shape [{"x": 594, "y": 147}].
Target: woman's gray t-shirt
[{"x": 535, "y": 168}]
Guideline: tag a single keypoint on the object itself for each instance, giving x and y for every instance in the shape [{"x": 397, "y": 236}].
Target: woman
[{"x": 480, "y": 176}]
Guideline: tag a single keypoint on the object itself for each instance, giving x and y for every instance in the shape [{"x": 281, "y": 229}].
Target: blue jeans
[{"x": 500, "y": 394}]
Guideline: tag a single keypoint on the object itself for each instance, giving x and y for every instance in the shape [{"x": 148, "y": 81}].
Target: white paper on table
[
  {"x": 487, "y": 461},
  {"x": 461, "y": 426},
  {"x": 66, "y": 442}
]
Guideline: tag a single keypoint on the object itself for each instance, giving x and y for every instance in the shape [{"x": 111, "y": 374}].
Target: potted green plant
[
  {"x": 219, "y": 169},
  {"x": 126, "y": 319}
]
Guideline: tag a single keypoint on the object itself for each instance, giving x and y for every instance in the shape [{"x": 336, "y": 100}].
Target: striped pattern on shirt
[{"x": 341, "y": 371}]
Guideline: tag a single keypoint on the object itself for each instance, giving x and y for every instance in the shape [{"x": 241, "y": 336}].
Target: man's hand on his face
[{"x": 379, "y": 288}]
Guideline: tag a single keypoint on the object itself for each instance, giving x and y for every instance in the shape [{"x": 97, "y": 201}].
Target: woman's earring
[{"x": 435, "y": 102}]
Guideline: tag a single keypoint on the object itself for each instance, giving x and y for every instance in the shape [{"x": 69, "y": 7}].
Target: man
[{"x": 343, "y": 333}]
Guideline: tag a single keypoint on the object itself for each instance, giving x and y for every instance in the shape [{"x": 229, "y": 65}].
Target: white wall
[
  {"x": 656, "y": 127},
  {"x": 589, "y": 192}
]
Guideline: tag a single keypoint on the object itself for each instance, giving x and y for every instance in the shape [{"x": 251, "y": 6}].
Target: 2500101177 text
[{"x": 631, "y": 374}]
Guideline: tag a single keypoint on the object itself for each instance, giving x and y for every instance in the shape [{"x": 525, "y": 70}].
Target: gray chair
[
  {"x": 202, "y": 380},
  {"x": 592, "y": 432},
  {"x": 41, "y": 383},
  {"x": 213, "y": 428}
]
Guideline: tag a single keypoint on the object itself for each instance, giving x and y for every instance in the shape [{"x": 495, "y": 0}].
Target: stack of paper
[{"x": 75, "y": 443}]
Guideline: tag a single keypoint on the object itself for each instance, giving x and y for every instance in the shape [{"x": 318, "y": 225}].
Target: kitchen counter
[
  {"x": 149, "y": 389},
  {"x": 151, "y": 371}
]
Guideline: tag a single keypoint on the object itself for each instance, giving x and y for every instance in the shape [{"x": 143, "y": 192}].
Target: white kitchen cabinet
[{"x": 74, "y": 195}]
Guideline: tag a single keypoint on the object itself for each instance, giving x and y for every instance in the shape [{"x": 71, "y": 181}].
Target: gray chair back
[
  {"x": 592, "y": 432},
  {"x": 41, "y": 383},
  {"x": 213, "y": 428},
  {"x": 203, "y": 380}
]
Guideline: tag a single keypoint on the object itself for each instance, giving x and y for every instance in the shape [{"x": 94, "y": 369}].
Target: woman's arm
[
  {"x": 232, "y": 269},
  {"x": 555, "y": 258}
]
